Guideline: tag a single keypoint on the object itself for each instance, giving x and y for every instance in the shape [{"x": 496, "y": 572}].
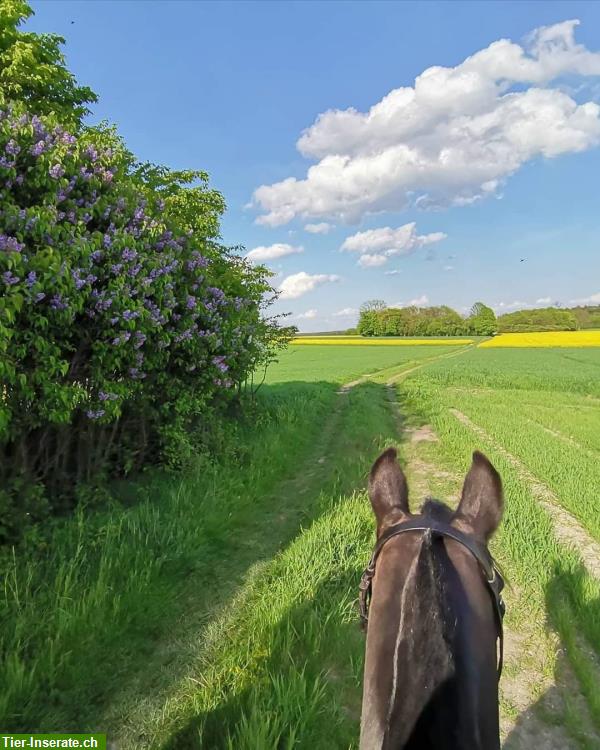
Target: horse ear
[
  {"x": 480, "y": 509},
  {"x": 388, "y": 489}
]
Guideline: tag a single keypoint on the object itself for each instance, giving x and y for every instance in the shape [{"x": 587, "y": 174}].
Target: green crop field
[{"x": 220, "y": 609}]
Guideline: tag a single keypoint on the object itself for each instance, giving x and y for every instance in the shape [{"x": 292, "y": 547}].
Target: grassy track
[
  {"x": 104, "y": 589},
  {"x": 222, "y": 606}
]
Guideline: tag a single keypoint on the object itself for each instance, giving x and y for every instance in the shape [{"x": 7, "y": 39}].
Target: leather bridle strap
[{"x": 493, "y": 578}]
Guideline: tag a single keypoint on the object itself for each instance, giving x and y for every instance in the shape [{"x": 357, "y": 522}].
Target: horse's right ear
[
  {"x": 388, "y": 490},
  {"x": 481, "y": 504}
]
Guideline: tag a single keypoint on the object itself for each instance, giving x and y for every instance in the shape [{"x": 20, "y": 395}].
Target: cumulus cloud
[
  {"x": 419, "y": 301},
  {"x": 308, "y": 315},
  {"x": 346, "y": 312},
  {"x": 543, "y": 301},
  {"x": 387, "y": 242},
  {"x": 392, "y": 273},
  {"x": 451, "y": 139},
  {"x": 593, "y": 299},
  {"x": 448, "y": 268},
  {"x": 371, "y": 260},
  {"x": 278, "y": 250},
  {"x": 298, "y": 284},
  {"x": 321, "y": 228}
]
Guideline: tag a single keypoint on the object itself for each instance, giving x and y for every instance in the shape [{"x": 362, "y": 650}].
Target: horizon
[{"x": 347, "y": 178}]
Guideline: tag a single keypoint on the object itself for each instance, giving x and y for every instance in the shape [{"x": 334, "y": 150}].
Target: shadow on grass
[
  {"x": 568, "y": 713},
  {"x": 230, "y": 546},
  {"x": 305, "y": 694}
]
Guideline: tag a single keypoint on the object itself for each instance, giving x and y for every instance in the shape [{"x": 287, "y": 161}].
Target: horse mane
[{"x": 422, "y": 639}]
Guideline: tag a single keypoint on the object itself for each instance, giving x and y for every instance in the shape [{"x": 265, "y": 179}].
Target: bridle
[{"x": 493, "y": 577}]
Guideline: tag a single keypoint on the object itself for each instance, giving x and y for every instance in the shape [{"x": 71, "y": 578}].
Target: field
[
  {"x": 570, "y": 339},
  {"x": 220, "y": 608}
]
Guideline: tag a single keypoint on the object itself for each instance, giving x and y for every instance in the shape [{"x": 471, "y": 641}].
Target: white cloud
[
  {"x": 278, "y": 250},
  {"x": 297, "y": 284},
  {"x": 400, "y": 241},
  {"x": 593, "y": 299},
  {"x": 419, "y": 301},
  {"x": 388, "y": 242},
  {"x": 543, "y": 301},
  {"x": 371, "y": 260},
  {"x": 448, "y": 268},
  {"x": 308, "y": 315},
  {"x": 347, "y": 312},
  {"x": 322, "y": 228},
  {"x": 506, "y": 306},
  {"x": 451, "y": 139},
  {"x": 392, "y": 273}
]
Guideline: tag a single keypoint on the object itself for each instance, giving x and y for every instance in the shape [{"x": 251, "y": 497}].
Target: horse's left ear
[
  {"x": 388, "y": 490},
  {"x": 481, "y": 504}
]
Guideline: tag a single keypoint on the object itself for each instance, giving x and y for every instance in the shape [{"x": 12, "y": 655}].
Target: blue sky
[{"x": 494, "y": 160}]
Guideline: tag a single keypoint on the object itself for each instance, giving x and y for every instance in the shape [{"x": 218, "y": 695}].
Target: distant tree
[
  {"x": 373, "y": 305},
  {"x": 543, "y": 319},
  {"x": 482, "y": 320}
]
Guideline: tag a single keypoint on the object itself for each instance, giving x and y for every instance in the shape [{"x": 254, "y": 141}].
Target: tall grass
[{"x": 84, "y": 602}]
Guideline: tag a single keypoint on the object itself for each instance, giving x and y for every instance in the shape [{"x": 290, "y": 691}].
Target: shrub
[{"x": 123, "y": 323}]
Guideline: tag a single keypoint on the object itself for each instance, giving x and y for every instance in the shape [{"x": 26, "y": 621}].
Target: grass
[
  {"x": 378, "y": 341},
  {"x": 341, "y": 364},
  {"x": 103, "y": 588},
  {"x": 221, "y": 605}
]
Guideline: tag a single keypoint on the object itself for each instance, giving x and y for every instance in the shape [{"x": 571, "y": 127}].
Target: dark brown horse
[{"x": 431, "y": 679}]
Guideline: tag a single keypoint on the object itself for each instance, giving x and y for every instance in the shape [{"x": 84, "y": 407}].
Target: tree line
[{"x": 377, "y": 319}]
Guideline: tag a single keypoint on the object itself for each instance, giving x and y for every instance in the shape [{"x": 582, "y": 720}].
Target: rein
[{"x": 493, "y": 578}]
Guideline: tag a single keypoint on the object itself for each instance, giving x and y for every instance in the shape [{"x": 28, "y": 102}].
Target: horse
[{"x": 431, "y": 594}]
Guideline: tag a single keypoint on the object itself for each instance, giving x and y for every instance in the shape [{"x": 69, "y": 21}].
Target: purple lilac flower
[
  {"x": 12, "y": 148},
  {"x": 129, "y": 254},
  {"x": 57, "y": 303},
  {"x": 10, "y": 278},
  {"x": 220, "y": 363},
  {"x": 39, "y": 296},
  {"x": 38, "y": 148},
  {"x": 116, "y": 268},
  {"x": 112, "y": 322},
  {"x": 96, "y": 256},
  {"x": 57, "y": 171},
  {"x": 91, "y": 153},
  {"x": 136, "y": 374},
  {"x": 79, "y": 282},
  {"x": 140, "y": 339},
  {"x": 131, "y": 315},
  {"x": 95, "y": 414},
  {"x": 191, "y": 303},
  {"x": 19, "y": 179},
  {"x": 31, "y": 278},
  {"x": 107, "y": 240},
  {"x": 10, "y": 244}
]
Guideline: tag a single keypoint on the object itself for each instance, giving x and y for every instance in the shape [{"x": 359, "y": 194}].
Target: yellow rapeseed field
[
  {"x": 546, "y": 338},
  {"x": 360, "y": 341}
]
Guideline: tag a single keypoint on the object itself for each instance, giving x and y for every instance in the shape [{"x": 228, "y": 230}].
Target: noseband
[{"x": 493, "y": 578}]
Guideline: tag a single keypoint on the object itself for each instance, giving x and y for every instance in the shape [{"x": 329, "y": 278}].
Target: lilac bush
[{"x": 122, "y": 320}]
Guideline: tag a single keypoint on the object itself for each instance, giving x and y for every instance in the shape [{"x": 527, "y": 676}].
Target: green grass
[
  {"x": 220, "y": 606},
  {"x": 341, "y": 364},
  {"x": 85, "y": 602}
]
